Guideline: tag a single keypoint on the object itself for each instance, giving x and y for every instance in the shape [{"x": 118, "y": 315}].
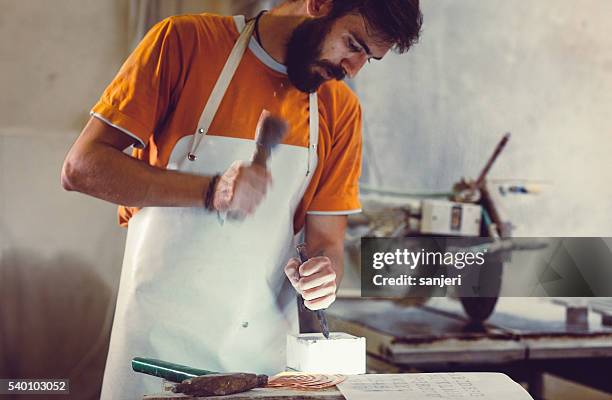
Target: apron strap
[
  {"x": 218, "y": 92},
  {"x": 313, "y": 135}
]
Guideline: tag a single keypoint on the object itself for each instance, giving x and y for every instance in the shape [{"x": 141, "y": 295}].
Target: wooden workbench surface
[
  {"x": 521, "y": 329},
  {"x": 439, "y": 332},
  {"x": 261, "y": 394}
]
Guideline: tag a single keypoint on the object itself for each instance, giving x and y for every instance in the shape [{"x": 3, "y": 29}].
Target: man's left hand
[{"x": 315, "y": 280}]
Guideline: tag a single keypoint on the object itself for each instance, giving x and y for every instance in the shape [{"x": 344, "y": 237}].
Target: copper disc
[{"x": 305, "y": 381}]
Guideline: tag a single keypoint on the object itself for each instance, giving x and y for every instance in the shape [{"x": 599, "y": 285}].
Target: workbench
[
  {"x": 261, "y": 394},
  {"x": 526, "y": 338},
  {"x": 439, "y": 332}
]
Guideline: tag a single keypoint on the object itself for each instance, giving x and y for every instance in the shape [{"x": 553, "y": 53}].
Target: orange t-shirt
[{"x": 159, "y": 94}]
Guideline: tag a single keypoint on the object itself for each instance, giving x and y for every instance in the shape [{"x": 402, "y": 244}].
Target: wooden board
[
  {"x": 414, "y": 336},
  {"x": 541, "y": 326},
  {"x": 439, "y": 332},
  {"x": 409, "y": 324},
  {"x": 260, "y": 394},
  {"x": 530, "y": 317}
]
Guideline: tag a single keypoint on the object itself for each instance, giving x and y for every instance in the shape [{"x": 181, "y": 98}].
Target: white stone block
[{"x": 340, "y": 354}]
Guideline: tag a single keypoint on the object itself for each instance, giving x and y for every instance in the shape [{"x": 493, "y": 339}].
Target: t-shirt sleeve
[
  {"x": 338, "y": 189},
  {"x": 138, "y": 98}
]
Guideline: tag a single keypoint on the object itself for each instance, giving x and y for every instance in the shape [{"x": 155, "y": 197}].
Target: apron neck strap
[
  {"x": 231, "y": 65},
  {"x": 313, "y": 135},
  {"x": 218, "y": 92}
]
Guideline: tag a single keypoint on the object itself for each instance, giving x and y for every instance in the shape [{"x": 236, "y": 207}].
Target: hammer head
[
  {"x": 270, "y": 130},
  {"x": 220, "y": 384}
]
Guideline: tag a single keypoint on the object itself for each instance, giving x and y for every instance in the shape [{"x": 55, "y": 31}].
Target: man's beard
[{"x": 304, "y": 53}]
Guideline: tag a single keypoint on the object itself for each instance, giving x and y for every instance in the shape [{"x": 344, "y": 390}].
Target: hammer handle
[{"x": 262, "y": 153}]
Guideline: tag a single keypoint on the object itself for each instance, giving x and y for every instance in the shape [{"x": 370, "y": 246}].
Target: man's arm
[
  {"x": 325, "y": 238},
  {"x": 320, "y": 277},
  {"x": 97, "y": 166}
]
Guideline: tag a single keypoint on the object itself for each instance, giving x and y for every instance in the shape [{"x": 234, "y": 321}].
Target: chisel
[{"x": 301, "y": 250}]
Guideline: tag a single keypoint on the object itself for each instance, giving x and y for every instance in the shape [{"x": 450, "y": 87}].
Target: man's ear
[{"x": 319, "y": 8}]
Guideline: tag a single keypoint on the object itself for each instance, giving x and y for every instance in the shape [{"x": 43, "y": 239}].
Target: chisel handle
[{"x": 301, "y": 250}]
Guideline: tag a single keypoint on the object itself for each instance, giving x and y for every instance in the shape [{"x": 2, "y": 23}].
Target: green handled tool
[
  {"x": 199, "y": 382},
  {"x": 169, "y": 371}
]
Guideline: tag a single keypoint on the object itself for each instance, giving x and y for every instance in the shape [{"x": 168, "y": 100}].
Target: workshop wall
[
  {"x": 60, "y": 253},
  {"x": 541, "y": 70}
]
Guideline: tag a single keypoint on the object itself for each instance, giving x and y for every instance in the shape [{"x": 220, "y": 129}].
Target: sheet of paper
[{"x": 438, "y": 386}]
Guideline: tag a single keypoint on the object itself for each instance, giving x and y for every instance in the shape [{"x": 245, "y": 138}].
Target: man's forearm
[
  {"x": 325, "y": 237},
  {"x": 104, "y": 172},
  {"x": 335, "y": 252}
]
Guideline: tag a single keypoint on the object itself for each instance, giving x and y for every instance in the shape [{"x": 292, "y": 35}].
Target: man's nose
[{"x": 352, "y": 65}]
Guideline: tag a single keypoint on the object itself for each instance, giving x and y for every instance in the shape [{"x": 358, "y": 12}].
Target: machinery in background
[
  {"x": 470, "y": 210},
  {"x": 440, "y": 217}
]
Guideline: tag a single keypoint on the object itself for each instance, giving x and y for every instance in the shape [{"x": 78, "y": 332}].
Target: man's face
[{"x": 322, "y": 49}]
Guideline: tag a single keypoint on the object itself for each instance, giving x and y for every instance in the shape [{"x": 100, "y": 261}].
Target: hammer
[
  {"x": 198, "y": 382},
  {"x": 270, "y": 133}
]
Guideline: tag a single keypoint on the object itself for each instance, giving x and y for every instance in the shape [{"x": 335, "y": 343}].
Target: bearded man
[{"x": 198, "y": 287}]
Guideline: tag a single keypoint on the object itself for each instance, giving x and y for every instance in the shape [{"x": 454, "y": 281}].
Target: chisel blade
[{"x": 323, "y": 323}]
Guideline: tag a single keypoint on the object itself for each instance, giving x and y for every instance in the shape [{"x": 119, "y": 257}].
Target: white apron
[{"x": 203, "y": 293}]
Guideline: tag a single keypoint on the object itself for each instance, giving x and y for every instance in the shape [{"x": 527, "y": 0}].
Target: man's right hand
[
  {"x": 241, "y": 189},
  {"x": 97, "y": 166}
]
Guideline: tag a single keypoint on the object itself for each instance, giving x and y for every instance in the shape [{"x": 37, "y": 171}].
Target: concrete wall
[
  {"x": 56, "y": 58},
  {"x": 60, "y": 253},
  {"x": 540, "y": 69}
]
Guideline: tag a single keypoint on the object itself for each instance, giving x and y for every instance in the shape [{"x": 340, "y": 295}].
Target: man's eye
[{"x": 354, "y": 48}]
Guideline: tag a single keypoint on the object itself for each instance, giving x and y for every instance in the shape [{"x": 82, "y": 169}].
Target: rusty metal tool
[
  {"x": 498, "y": 149},
  {"x": 220, "y": 384},
  {"x": 301, "y": 250},
  {"x": 199, "y": 382}
]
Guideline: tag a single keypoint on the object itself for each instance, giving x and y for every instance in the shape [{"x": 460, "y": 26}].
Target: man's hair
[{"x": 392, "y": 21}]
